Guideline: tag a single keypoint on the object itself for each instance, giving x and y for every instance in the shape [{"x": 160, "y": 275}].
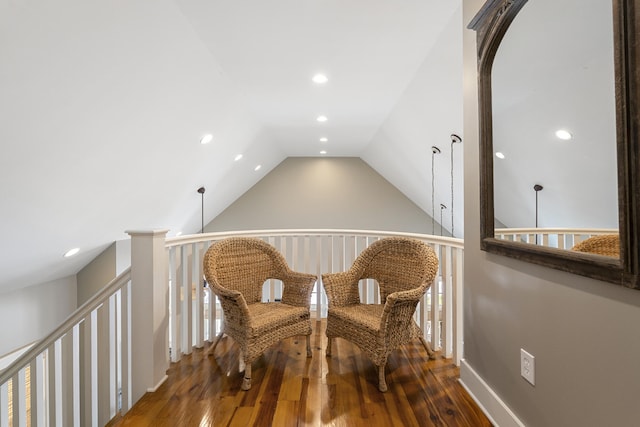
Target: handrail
[
  {"x": 556, "y": 230},
  {"x": 65, "y": 326},
  {"x": 195, "y": 238},
  {"x": 440, "y": 315}
]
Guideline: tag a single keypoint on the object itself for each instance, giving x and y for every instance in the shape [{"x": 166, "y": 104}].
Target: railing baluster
[
  {"x": 443, "y": 300},
  {"x": 270, "y": 287},
  {"x": 125, "y": 346},
  {"x": 89, "y": 396},
  {"x": 55, "y": 364},
  {"x": 38, "y": 401},
  {"x": 66, "y": 377},
  {"x": 342, "y": 253},
  {"x": 209, "y": 300},
  {"x": 15, "y": 400},
  {"x": 374, "y": 287},
  {"x": 104, "y": 362},
  {"x": 359, "y": 244},
  {"x": 561, "y": 242},
  {"x": 422, "y": 314},
  {"x": 4, "y": 405},
  {"x": 435, "y": 303},
  {"x": 75, "y": 374},
  {"x": 447, "y": 303},
  {"x": 294, "y": 262},
  {"x": 113, "y": 360},
  {"x": 199, "y": 304},
  {"x": 318, "y": 272},
  {"x": 174, "y": 306},
  {"x": 185, "y": 292}
]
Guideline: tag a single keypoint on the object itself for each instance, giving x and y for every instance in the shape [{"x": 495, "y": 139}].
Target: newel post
[{"x": 149, "y": 312}]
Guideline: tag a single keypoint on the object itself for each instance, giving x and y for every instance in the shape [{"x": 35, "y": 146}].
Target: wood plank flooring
[{"x": 289, "y": 389}]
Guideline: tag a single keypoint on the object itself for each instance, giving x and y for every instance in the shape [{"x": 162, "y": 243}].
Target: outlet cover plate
[{"x": 527, "y": 366}]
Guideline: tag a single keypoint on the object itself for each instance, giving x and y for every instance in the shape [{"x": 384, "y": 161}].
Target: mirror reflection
[{"x": 554, "y": 124}]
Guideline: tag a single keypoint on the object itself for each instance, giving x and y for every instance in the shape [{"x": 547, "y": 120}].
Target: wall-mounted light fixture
[
  {"x": 434, "y": 150},
  {"x": 442, "y": 207},
  {"x": 537, "y": 188},
  {"x": 455, "y": 139},
  {"x": 201, "y": 190}
]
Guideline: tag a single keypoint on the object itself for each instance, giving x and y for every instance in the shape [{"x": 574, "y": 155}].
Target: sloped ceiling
[{"x": 103, "y": 105}]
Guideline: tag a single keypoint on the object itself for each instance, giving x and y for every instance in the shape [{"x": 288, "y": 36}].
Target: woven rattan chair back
[
  {"x": 397, "y": 264},
  {"x": 243, "y": 264},
  {"x": 605, "y": 244}
]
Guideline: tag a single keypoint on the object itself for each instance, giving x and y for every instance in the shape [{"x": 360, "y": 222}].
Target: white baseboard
[
  {"x": 494, "y": 408},
  {"x": 153, "y": 390}
]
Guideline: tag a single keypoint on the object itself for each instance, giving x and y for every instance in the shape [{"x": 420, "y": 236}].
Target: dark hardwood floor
[{"x": 203, "y": 389}]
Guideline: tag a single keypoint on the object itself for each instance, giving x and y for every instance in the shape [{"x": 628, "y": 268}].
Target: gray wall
[
  {"x": 95, "y": 275},
  {"x": 581, "y": 331},
  {"x": 123, "y": 255},
  {"x": 29, "y": 314},
  {"x": 338, "y": 192}
]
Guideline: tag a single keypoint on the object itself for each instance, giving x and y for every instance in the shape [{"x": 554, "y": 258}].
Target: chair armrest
[
  {"x": 234, "y": 305},
  {"x": 341, "y": 288},
  {"x": 397, "y": 316},
  {"x": 408, "y": 295},
  {"x": 297, "y": 288}
]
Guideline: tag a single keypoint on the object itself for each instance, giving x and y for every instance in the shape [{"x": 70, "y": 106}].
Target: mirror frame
[{"x": 491, "y": 24}]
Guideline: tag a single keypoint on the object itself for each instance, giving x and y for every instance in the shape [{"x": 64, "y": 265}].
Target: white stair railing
[
  {"x": 78, "y": 375},
  {"x": 196, "y": 316},
  {"x": 561, "y": 238}
]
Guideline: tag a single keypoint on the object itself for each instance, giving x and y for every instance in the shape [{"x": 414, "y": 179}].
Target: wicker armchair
[
  {"x": 236, "y": 270},
  {"x": 404, "y": 269},
  {"x": 604, "y": 244}
]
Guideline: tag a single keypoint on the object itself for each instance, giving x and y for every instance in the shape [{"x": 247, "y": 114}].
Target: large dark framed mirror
[{"x": 547, "y": 66}]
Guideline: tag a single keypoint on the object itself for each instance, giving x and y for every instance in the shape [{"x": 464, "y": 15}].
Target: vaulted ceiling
[{"x": 104, "y": 104}]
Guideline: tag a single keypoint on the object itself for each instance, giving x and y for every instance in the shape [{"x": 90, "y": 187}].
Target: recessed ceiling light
[
  {"x": 257, "y": 168},
  {"x": 238, "y": 157},
  {"x": 71, "y": 252},
  {"x": 323, "y": 139},
  {"x": 320, "y": 79},
  {"x": 564, "y": 134},
  {"x": 322, "y": 118},
  {"x": 499, "y": 155},
  {"x": 323, "y": 152},
  {"x": 206, "y": 139}
]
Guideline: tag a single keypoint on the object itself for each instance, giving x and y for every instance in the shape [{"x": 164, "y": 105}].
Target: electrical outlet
[{"x": 527, "y": 366}]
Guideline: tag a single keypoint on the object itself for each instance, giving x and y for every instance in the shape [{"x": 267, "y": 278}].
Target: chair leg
[
  {"x": 308, "y": 345},
  {"x": 218, "y": 338},
  {"x": 241, "y": 364},
  {"x": 427, "y": 346},
  {"x": 328, "y": 346},
  {"x": 382, "y": 382},
  {"x": 246, "y": 382}
]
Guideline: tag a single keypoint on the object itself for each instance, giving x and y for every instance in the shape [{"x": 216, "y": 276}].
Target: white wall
[
  {"x": 581, "y": 331},
  {"x": 338, "y": 192},
  {"x": 29, "y": 314},
  {"x": 123, "y": 255}
]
